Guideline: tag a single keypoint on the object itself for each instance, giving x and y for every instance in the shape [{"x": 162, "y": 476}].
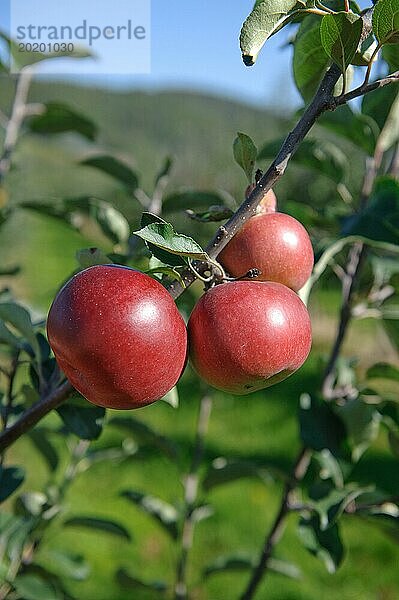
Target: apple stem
[
  {"x": 190, "y": 495},
  {"x": 251, "y": 274}
]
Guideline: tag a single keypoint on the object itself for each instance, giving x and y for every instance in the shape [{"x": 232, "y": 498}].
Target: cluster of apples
[{"x": 118, "y": 337}]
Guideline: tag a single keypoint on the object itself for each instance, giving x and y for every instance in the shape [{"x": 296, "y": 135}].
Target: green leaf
[
  {"x": 9, "y": 271},
  {"x": 9, "y": 525},
  {"x": 190, "y": 199},
  {"x": 66, "y": 564},
  {"x": 264, "y": 20},
  {"x": 377, "y": 503},
  {"x": 224, "y": 471},
  {"x": 359, "y": 129},
  {"x": 19, "y": 318},
  {"x": 172, "y": 398},
  {"x": 390, "y": 54},
  {"x": 169, "y": 272},
  {"x": 164, "y": 236},
  {"x": 383, "y": 371},
  {"x": 147, "y": 218},
  {"x": 331, "y": 507},
  {"x": 340, "y": 36},
  {"x": 329, "y": 467},
  {"x": 379, "y": 220},
  {"x": 163, "y": 512},
  {"x": 7, "y": 337},
  {"x": 159, "y": 256},
  {"x": 113, "y": 224},
  {"x": 82, "y": 418},
  {"x": 88, "y": 257},
  {"x": 390, "y": 132},
  {"x": 378, "y": 104},
  {"x": 245, "y": 151},
  {"x": 10, "y": 480},
  {"x": 145, "y": 434},
  {"x": 362, "y": 424},
  {"x": 320, "y": 427},
  {"x": 201, "y": 512},
  {"x": 310, "y": 61},
  {"x": 365, "y": 52},
  {"x": 22, "y": 59},
  {"x": 33, "y": 587},
  {"x": 45, "y": 574},
  {"x": 393, "y": 436},
  {"x": 164, "y": 171},
  {"x": 40, "y": 439},
  {"x": 31, "y": 503},
  {"x": 241, "y": 562},
  {"x": 326, "y": 545},
  {"x": 386, "y": 21},
  {"x": 18, "y": 537},
  {"x": 211, "y": 215},
  {"x": 131, "y": 582},
  {"x": 115, "y": 168},
  {"x": 60, "y": 118},
  {"x": 320, "y": 156},
  {"x": 105, "y": 525}
]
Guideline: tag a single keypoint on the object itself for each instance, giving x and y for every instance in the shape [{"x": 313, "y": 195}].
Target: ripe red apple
[
  {"x": 276, "y": 244},
  {"x": 248, "y": 335},
  {"x": 118, "y": 337}
]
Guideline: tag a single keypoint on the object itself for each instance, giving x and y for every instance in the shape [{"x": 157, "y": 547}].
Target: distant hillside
[{"x": 195, "y": 129}]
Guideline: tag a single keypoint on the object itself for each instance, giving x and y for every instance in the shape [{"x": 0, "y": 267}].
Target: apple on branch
[{"x": 118, "y": 337}]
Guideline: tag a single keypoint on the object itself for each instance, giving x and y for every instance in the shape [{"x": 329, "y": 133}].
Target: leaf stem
[
  {"x": 370, "y": 63},
  {"x": 363, "y": 89},
  {"x": 325, "y": 8}
]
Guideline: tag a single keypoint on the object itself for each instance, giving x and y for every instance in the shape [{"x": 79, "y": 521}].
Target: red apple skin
[
  {"x": 118, "y": 337},
  {"x": 248, "y": 335},
  {"x": 276, "y": 244}
]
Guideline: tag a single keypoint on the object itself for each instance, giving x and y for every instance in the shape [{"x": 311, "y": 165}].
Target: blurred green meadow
[{"x": 197, "y": 131}]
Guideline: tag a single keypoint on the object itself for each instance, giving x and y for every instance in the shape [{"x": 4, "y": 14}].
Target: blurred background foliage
[{"x": 111, "y": 559}]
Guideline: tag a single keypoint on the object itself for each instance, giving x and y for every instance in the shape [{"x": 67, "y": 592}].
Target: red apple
[
  {"x": 118, "y": 337},
  {"x": 248, "y": 335},
  {"x": 276, "y": 244}
]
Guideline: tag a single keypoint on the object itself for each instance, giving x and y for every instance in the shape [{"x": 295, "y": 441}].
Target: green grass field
[{"x": 261, "y": 428}]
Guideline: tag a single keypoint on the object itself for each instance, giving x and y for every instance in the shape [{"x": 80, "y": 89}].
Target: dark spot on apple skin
[{"x": 248, "y": 386}]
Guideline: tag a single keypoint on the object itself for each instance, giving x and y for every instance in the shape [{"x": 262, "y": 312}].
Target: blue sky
[{"x": 194, "y": 45}]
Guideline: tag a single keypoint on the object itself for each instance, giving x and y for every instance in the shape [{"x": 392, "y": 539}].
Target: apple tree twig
[
  {"x": 190, "y": 496},
  {"x": 34, "y": 414},
  {"x": 15, "y": 121}
]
